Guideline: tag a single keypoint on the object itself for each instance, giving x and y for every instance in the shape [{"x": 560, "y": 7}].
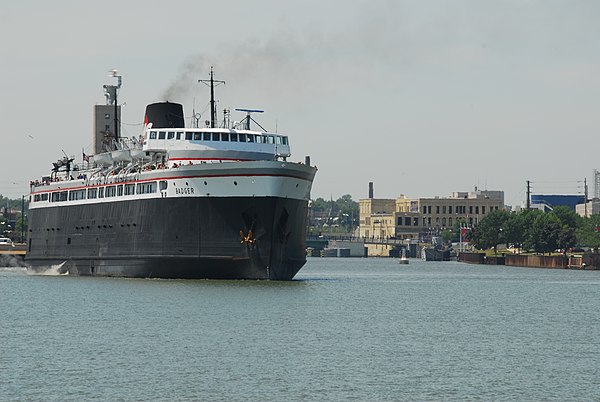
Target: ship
[{"x": 222, "y": 201}]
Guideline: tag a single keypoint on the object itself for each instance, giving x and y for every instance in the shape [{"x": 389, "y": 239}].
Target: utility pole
[
  {"x": 211, "y": 83},
  {"x": 528, "y": 202},
  {"x": 586, "y": 196},
  {"x": 22, "y": 216}
]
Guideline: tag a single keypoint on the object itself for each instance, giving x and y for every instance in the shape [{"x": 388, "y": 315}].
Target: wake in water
[
  {"x": 12, "y": 261},
  {"x": 52, "y": 270}
]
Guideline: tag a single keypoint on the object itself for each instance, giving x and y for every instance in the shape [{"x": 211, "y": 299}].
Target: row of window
[
  {"x": 408, "y": 221},
  {"x": 228, "y": 137},
  {"x": 102, "y": 192},
  {"x": 460, "y": 209}
]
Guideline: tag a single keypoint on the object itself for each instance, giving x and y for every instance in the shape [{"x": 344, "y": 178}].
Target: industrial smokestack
[{"x": 370, "y": 189}]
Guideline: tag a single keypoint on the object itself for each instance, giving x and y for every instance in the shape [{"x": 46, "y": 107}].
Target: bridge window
[
  {"x": 260, "y": 139},
  {"x": 111, "y": 191},
  {"x": 206, "y": 136},
  {"x": 152, "y": 135},
  {"x": 129, "y": 189},
  {"x": 250, "y": 137},
  {"x": 161, "y": 135},
  {"x": 197, "y": 136},
  {"x": 170, "y": 135},
  {"x": 163, "y": 185},
  {"x": 215, "y": 136},
  {"x": 100, "y": 192},
  {"x": 242, "y": 137},
  {"x": 146, "y": 188},
  {"x": 92, "y": 193},
  {"x": 120, "y": 190},
  {"x": 189, "y": 136},
  {"x": 270, "y": 139},
  {"x": 284, "y": 140},
  {"x": 278, "y": 140},
  {"x": 224, "y": 136},
  {"x": 234, "y": 137},
  {"x": 179, "y": 134}
]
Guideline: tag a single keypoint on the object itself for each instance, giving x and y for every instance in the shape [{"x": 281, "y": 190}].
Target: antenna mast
[{"x": 211, "y": 83}]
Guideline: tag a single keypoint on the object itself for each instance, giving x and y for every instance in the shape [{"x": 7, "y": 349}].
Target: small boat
[{"x": 403, "y": 259}]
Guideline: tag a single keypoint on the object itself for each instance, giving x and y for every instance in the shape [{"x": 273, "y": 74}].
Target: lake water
[{"x": 363, "y": 329}]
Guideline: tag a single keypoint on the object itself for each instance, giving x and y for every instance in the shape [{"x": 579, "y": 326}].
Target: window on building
[
  {"x": 450, "y": 209},
  {"x": 424, "y": 209},
  {"x": 477, "y": 210},
  {"x": 437, "y": 209},
  {"x": 406, "y": 221},
  {"x": 415, "y": 221},
  {"x": 471, "y": 209},
  {"x": 449, "y": 221},
  {"x": 443, "y": 209},
  {"x": 443, "y": 221},
  {"x": 429, "y": 209},
  {"x": 483, "y": 209}
]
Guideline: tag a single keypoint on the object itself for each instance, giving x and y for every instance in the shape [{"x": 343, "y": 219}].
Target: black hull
[{"x": 172, "y": 238}]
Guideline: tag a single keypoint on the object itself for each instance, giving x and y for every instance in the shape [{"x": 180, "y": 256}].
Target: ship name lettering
[{"x": 185, "y": 190}]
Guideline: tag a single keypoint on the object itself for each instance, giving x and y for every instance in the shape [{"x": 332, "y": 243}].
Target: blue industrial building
[{"x": 550, "y": 201}]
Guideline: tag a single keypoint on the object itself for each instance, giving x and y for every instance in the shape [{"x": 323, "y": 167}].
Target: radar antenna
[{"x": 248, "y": 118}]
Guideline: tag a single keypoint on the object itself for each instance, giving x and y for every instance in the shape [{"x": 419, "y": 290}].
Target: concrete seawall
[{"x": 585, "y": 261}]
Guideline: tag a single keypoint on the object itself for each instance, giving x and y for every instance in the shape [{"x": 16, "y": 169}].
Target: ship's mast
[{"x": 213, "y": 109}]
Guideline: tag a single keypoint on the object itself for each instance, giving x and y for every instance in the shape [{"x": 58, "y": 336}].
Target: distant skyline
[{"x": 421, "y": 98}]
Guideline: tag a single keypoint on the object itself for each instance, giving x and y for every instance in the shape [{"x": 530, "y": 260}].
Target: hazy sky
[{"x": 421, "y": 97}]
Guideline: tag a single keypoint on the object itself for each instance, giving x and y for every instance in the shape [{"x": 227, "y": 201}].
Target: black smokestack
[
  {"x": 165, "y": 115},
  {"x": 370, "y": 189}
]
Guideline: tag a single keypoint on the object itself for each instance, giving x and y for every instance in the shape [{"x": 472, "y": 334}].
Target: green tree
[
  {"x": 528, "y": 218},
  {"x": 488, "y": 233},
  {"x": 514, "y": 229},
  {"x": 587, "y": 232},
  {"x": 545, "y": 233},
  {"x": 348, "y": 211}
]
